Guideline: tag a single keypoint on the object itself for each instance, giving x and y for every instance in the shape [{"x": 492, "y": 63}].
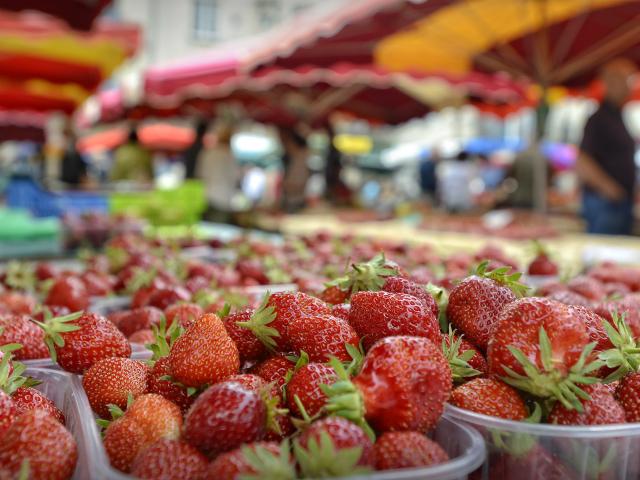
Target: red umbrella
[{"x": 78, "y": 14}]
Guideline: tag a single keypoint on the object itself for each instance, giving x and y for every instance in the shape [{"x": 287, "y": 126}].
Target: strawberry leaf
[{"x": 267, "y": 465}]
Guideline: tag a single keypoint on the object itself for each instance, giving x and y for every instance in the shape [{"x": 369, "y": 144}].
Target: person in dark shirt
[
  {"x": 190, "y": 155},
  {"x": 73, "y": 170},
  {"x": 606, "y": 165}
]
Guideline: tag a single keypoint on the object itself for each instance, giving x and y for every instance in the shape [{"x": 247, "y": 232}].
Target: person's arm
[{"x": 595, "y": 177}]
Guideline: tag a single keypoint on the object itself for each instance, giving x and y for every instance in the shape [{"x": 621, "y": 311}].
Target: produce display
[{"x": 376, "y": 356}]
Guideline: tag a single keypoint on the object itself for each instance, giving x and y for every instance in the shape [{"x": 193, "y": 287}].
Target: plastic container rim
[{"x": 598, "y": 431}]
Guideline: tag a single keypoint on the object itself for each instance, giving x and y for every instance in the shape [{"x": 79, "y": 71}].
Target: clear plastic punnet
[
  {"x": 527, "y": 451},
  {"x": 463, "y": 444}
]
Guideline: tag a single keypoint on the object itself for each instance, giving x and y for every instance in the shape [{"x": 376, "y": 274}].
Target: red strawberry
[
  {"x": 274, "y": 369},
  {"x": 167, "y": 388},
  {"x": 27, "y": 398},
  {"x": 184, "y": 313},
  {"x": 343, "y": 434},
  {"x": 204, "y": 354},
  {"x": 19, "y": 329},
  {"x": 376, "y": 315},
  {"x": 79, "y": 340},
  {"x": 476, "y": 302},
  {"x": 322, "y": 337},
  {"x": 594, "y": 324},
  {"x": 45, "y": 271},
  {"x": 68, "y": 292},
  {"x": 97, "y": 284},
  {"x": 629, "y": 306},
  {"x": 334, "y": 295},
  {"x": 139, "y": 319},
  {"x": 17, "y": 303},
  {"x": 569, "y": 297},
  {"x": 142, "y": 337},
  {"x": 249, "y": 347},
  {"x": 305, "y": 384},
  {"x": 395, "y": 450},
  {"x": 111, "y": 380},
  {"x": 489, "y": 396},
  {"x": 170, "y": 460},
  {"x": 542, "y": 264},
  {"x": 37, "y": 437},
  {"x": 543, "y": 335},
  {"x": 342, "y": 311},
  {"x": 225, "y": 416},
  {"x": 270, "y": 322},
  {"x": 404, "y": 285},
  {"x": 7, "y": 411},
  {"x": 601, "y": 409},
  {"x": 248, "y": 460},
  {"x": 156, "y": 416},
  {"x": 588, "y": 287},
  {"x": 628, "y": 394},
  {"x": 123, "y": 440},
  {"x": 165, "y": 297}
]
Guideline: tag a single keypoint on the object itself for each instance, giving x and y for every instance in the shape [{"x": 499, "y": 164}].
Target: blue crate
[{"x": 26, "y": 194}]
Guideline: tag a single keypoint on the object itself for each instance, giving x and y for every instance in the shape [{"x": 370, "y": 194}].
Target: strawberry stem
[
  {"x": 259, "y": 324},
  {"x": 501, "y": 275},
  {"x": 366, "y": 276},
  {"x": 267, "y": 465},
  {"x": 54, "y": 328},
  {"x": 625, "y": 354},
  {"x": 321, "y": 458},
  {"x": 459, "y": 362}
]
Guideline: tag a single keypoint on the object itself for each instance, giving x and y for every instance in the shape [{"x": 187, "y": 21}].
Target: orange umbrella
[{"x": 157, "y": 136}]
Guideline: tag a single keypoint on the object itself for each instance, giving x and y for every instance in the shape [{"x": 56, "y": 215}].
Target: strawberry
[
  {"x": 204, "y": 354},
  {"x": 17, "y": 303},
  {"x": 20, "y": 329},
  {"x": 70, "y": 292},
  {"x": 569, "y": 297},
  {"x": 538, "y": 346},
  {"x": 97, "y": 284},
  {"x": 628, "y": 394},
  {"x": 588, "y": 287},
  {"x": 343, "y": 434},
  {"x": 322, "y": 337},
  {"x": 139, "y": 319},
  {"x": 45, "y": 271},
  {"x": 163, "y": 298},
  {"x": 629, "y": 306},
  {"x": 303, "y": 390},
  {"x": 595, "y": 326},
  {"x": 142, "y": 337},
  {"x": 341, "y": 311},
  {"x": 184, "y": 313},
  {"x": 403, "y": 385},
  {"x": 274, "y": 369},
  {"x": 111, "y": 380},
  {"x": 123, "y": 440},
  {"x": 489, "y": 396},
  {"x": 255, "y": 460},
  {"x": 37, "y": 437},
  {"x": 169, "y": 390},
  {"x": 79, "y": 340},
  {"x": 475, "y": 303},
  {"x": 334, "y": 295},
  {"x": 170, "y": 460},
  {"x": 7, "y": 411},
  {"x": 542, "y": 264},
  {"x": 464, "y": 358},
  {"x": 404, "y": 285},
  {"x": 376, "y": 315},
  {"x": 601, "y": 409},
  {"x": 156, "y": 416},
  {"x": 225, "y": 416},
  {"x": 270, "y": 321},
  {"x": 395, "y": 450},
  {"x": 27, "y": 398},
  {"x": 250, "y": 348}
]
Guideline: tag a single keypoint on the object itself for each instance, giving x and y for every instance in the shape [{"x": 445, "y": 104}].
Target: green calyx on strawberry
[
  {"x": 366, "y": 276},
  {"x": 321, "y": 459},
  {"x": 118, "y": 258},
  {"x": 11, "y": 378},
  {"x": 624, "y": 357},
  {"x": 268, "y": 465},
  {"x": 259, "y": 324},
  {"x": 301, "y": 361},
  {"x": 551, "y": 382},
  {"x": 164, "y": 339},
  {"x": 271, "y": 403},
  {"x": 141, "y": 278},
  {"x": 503, "y": 277},
  {"x": 54, "y": 327},
  {"x": 518, "y": 444},
  {"x": 20, "y": 276},
  {"x": 115, "y": 412},
  {"x": 442, "y": 300},
  {"x": 274, "y": 271},
  {"x": 459, "y": 362},
  {"x": 345, "y": 400}
]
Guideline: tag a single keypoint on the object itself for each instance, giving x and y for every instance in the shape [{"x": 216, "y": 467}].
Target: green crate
[{"x": 178, "y": 206}]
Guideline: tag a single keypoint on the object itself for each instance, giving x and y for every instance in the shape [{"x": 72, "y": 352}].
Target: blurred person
[
  {"x": 335, "y": 189},
  {"x": 605, "y": 164},
  {"x": 73, "y": 168},
  {"x": 428, "y": 179},
  {"x": 131, "y": 161},
  {"x": 190, "y": 156},
  {"x": 455, "y": 177},
  {"x": 217, "y": 168},
  {"x": 296, "y": 171}
]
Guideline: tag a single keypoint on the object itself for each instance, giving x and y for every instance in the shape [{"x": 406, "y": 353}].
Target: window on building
[
  {"x": 269, "y": 13},
  {"x": 205, "y": 25}
]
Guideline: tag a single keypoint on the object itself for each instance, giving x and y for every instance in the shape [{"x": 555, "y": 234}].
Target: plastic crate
[
  {"x": 178, "y": 206},
  {"x": 27, "y": 194}
]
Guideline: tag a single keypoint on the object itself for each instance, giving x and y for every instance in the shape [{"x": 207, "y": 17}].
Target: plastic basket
[
  {"x": 27, "y": 194},
  {"x": 58, "y": 387},
  {"x": 524, "y": 451},
  {"x": 179, "y": 206}
]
